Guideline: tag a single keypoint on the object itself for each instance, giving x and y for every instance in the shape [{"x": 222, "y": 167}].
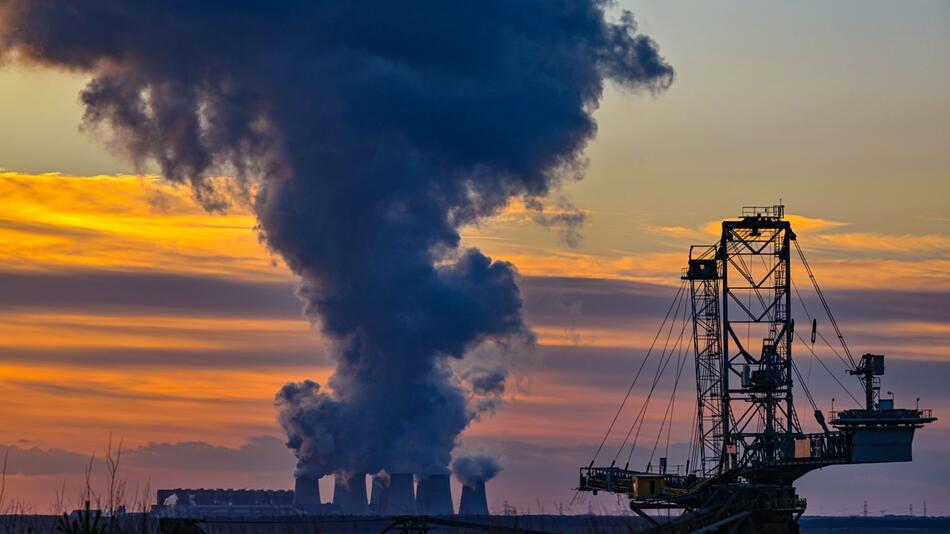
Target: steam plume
[
  {"x": 475, "y": 468},
  {"x": 370, "y": 132}
]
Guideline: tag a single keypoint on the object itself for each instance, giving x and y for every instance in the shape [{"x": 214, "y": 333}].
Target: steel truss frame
[{"x": 745, "y": 407}]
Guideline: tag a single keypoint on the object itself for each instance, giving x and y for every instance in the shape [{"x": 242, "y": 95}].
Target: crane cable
[
  {"x": 814, "y": 323},
  {"x": 824, "y": 303},
  {"x": 811, "y": 400},
  {"x": 668, "y": 413},
  {"x": 656, "y": 379},
  {"x": 693, "y": 443},
  {"x": 636, "y": 377},
  {"x": 818, "y": 358},
  {"x": 817, "y": 332}
]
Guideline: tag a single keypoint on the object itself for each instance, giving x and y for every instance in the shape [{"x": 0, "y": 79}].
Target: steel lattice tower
[
  {"x": 757, "y": 403},
  {"x": 704, "y": 275},
  {"x": 745, "y": 400}
]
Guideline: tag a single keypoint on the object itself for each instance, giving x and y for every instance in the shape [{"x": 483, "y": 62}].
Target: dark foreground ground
[
  {"x": 874, "y": 525},
  {"x": 136, "y": 524}
]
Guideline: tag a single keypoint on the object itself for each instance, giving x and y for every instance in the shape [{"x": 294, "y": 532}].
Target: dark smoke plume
[
  {"x": 474, "y": 468},
  {"x": 565, "y": 217},
  {"x": 368, "y": 132}
]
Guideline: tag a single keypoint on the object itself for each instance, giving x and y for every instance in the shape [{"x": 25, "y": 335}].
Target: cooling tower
[
  {"x": 434, "y": 495},
  {"x": 474, "y": 501},
  {"x": 378, "y": 496},
  {"x": 400, "y": 499},
  {"x": 350, "y": 495},
  {"x": 307, "y": 491}
]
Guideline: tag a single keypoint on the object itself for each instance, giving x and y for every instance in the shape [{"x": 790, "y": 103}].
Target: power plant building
[
  {"x": 391, "y": 495},
  {"x": 186, "y": 502},
  {"x": 307, "y": 491},
  {"x": 349, "y": 495},
  {"x": 400, "y": 497},
  {"x": 434, "y": 495},
  {"x": 474, "y": 500},
  {"x": 378, "y": 498}
]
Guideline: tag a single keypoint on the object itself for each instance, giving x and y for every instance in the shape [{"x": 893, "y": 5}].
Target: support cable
[
  {"x": 811, "y": 400},
  {"x": 661, "y": 366},
  {"x": 820, "y": 335},
  {"x": 693, "y": 457},
  {"x": 824, "y": 303},
  {"x": 636, "y": 377},
  {"x": 669, "y": 427},
  {"x": 656, "y": 379},
  {"x": 666, "y": 412},
  {"x": 818, "y": 358},
  {"x": 667, "y": 421},
  {"x": 817, "y": 332},
  {"x": 638, "y": 421},
  {"x": 811, "y": 320}
]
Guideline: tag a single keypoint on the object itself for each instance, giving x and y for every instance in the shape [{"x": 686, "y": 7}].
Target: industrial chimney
[
  {"x": 307, "y": 491},
  {"x": 349, "y": 494},
  {"x": 434, "y": 495},
  {"x": 474, "y": 500},
  {"x": 400, "y": 499},
  {"x": 378, "y": 496}
]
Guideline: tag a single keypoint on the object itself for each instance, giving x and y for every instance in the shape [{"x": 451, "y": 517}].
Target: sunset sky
[{"x": 126, "y": 310}]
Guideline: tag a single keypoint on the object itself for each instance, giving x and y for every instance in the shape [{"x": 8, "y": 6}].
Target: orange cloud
[
  {"x": 79, "y": 406},
  {"x": 926, "y": 245},
  {"x": 62, "y": 402},
  {"x": 878, "y": 261},
  {"x": 801, "y": 224},
  {"x": 53, "y": 222},
  {"x": 21, "y": 330},
  {"x": 662, "y": 268}
]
